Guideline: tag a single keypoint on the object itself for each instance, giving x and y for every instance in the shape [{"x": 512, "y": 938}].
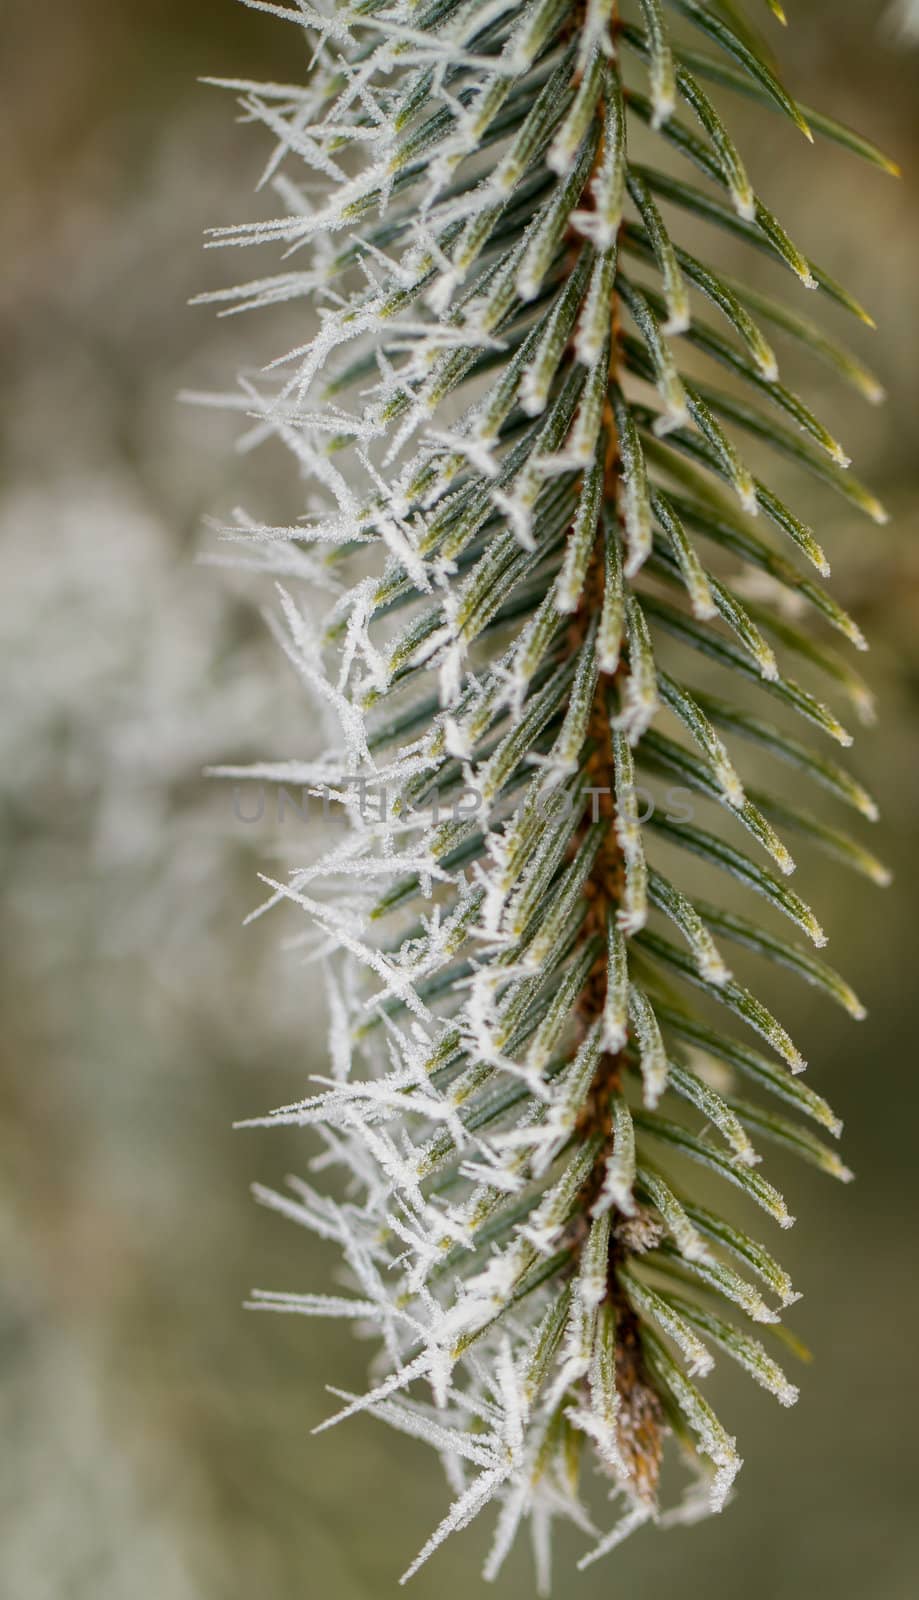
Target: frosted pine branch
[{"x": 555, "y": 588}]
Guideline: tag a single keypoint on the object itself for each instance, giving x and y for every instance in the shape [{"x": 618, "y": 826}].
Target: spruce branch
[{"x": 557, "y": 583}]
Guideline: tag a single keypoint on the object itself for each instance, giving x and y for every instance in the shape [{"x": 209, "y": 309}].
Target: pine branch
[{"x": 552, "y": 569}]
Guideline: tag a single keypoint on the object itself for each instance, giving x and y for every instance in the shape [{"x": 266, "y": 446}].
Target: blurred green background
[{"x": 156, "y": 1436}]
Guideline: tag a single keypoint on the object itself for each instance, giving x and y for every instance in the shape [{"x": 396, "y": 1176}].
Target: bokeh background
[{"x": 156, "y": 1437}]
